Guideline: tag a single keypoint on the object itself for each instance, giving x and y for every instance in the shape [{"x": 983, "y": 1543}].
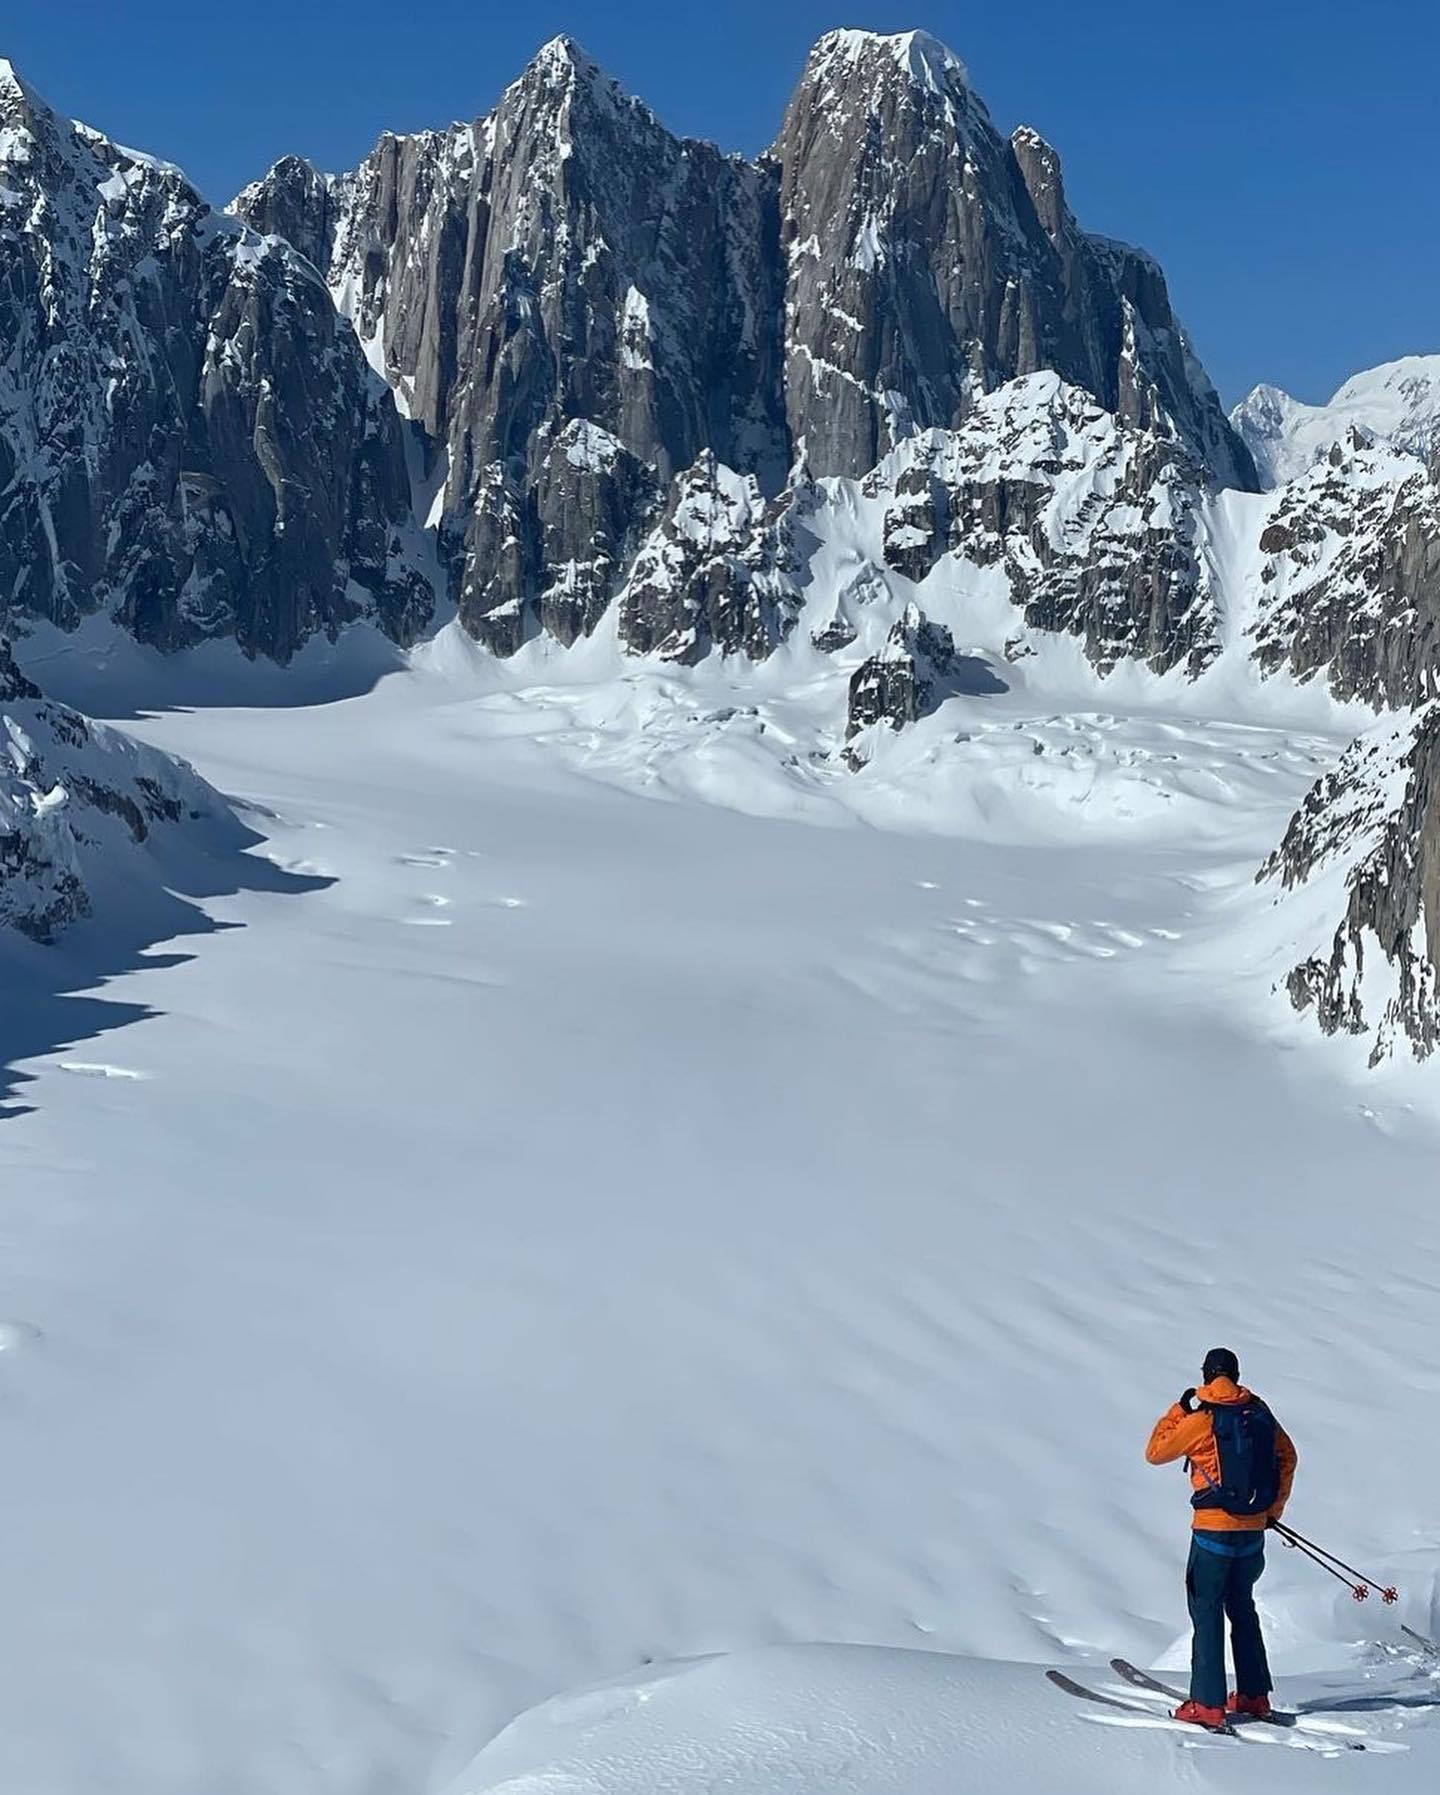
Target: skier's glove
[{"x": 1187, "y": 1400}]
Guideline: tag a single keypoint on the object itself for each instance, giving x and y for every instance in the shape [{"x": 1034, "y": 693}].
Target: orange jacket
[{"x": 1192, "y": 1436}]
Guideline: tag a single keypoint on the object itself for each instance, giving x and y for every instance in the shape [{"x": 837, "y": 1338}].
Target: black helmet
[{"x": 1221, "y": 1362}]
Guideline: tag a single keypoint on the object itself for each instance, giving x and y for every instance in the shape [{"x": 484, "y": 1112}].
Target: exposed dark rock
[
  {"x": 1371, "y": 829},
  {"x": 590, "y": 496},
  {"x": 717, "y": 570},
  {"x": 1095, "y": 522},
  {"x": 898, "y": 685},
  {"x": 1351, "y": 585},
  {"x": 189, "y": 436},
  {"x": 73, "y": 797}
]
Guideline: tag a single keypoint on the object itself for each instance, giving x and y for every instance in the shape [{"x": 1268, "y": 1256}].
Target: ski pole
[
  {"x": 1358, "y": 1584},
  {"x": 1386, "y": 1591},
  {"x": 1359, "y": 1590}
]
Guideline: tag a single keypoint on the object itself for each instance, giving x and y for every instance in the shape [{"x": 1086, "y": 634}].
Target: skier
[{"x": 1241, "y": 1464}]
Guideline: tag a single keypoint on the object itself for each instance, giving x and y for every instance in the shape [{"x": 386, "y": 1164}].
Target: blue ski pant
[{"x": 1220, "y": 1583}]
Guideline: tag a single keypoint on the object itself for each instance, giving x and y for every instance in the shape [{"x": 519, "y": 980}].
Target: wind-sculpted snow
[
  {"x": 189, "y": 437},
  {"x": 664, "y": 1194}
]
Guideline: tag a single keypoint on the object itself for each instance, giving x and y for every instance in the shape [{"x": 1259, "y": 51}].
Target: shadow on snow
[{"x": 49, "y": 998}]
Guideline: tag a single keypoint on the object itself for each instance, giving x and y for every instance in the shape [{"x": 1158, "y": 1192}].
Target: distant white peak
[
  {"x": 924, "y": 59},
  {"x": 1397, "y": 403}
]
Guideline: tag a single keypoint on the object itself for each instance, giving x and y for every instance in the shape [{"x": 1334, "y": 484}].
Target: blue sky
[{"x": 1276, "y": 157}]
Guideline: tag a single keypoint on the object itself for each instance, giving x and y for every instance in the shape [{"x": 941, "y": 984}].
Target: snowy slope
[
  {"x": 1398, "y": 403},
  {"x": 596, "y": 1225},
  {"x": 854, "y": 1720},
  {"x": 637, "y": 1243}
]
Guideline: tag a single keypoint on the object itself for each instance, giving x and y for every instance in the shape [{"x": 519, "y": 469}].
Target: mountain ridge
[{"x": 560, "y": 366}]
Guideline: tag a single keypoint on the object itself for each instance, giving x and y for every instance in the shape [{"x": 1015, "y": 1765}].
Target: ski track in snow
[{"x": 773, "y": 1218}]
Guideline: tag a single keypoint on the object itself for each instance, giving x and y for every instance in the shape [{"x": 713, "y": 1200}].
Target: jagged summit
[
  {"x": 567, "y": 261},
  {"x": 563, "y": 57},
  {"x": 927, "y": 62},
  {"x": 19, "y": 103},
  {"x": 564, "y": 69}
]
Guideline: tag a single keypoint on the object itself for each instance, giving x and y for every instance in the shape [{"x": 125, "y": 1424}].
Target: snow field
[{"x": 723, "y": 1232}]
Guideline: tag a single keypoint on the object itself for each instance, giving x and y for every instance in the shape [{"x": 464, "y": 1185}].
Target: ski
[
  {"x": 1426, "y": 1645},
  {"x": 1081, "y": 1693},
  {"x": 1141, "y": 1679}
]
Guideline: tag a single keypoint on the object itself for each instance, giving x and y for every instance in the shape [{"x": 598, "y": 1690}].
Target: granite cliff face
[
  {"x": 567, "y": 261},
  {"x": 929, "y": 260},
  {"x": 189, "y": 436}
]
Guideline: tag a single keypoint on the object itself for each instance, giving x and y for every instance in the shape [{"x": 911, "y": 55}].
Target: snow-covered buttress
[
  {"x": 75, "y": 797},
  {"x": 1360, "y": 864}
]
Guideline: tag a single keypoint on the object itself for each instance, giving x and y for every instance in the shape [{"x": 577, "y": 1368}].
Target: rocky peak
[
  {"x": 868, "y": 59},
  {"x": 294, "y": 201},
  {"x": 565, "y": 94},
  {"x": 563, "y": 63},
  {"x": 19, "y": 105},
  {"x": 929, "y": 260},
  {"x": 899, "y": 685}
]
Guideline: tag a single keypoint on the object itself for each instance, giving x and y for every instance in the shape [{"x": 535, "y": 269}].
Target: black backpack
[{"x": 1245, "y": 1439}]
